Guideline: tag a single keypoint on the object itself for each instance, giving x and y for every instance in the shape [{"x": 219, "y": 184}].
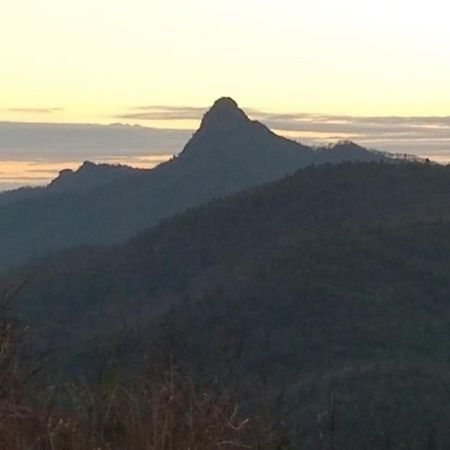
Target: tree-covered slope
[
  {"x": 101, "y": 204},
  {"x": 326, "y": 292}
]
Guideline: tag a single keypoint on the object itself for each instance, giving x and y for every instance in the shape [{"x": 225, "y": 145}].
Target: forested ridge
[
  {"x": 105, "y": 204},
  {"x": 325, "y": 291}
]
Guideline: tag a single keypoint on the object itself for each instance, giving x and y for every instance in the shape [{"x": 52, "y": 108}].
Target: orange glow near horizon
[
  {"x": 67, "y": 61},
  {"x": 40, "y": 172}
]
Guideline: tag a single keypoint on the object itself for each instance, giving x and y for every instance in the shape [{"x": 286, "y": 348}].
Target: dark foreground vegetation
[
  {"x": 321, "y": 299},
  {"x": 159, "y": 410}
]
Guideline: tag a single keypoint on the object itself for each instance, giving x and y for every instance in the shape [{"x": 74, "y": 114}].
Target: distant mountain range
[
  {"x": 101, "y": 204},
  {"x": 323, "y": 293},
  {"x": 21, "y": 140}
]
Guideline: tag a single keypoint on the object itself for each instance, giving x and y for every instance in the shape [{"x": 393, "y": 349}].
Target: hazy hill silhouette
[
  {"x": 105, "y": 204},
  {"x": 331, "y": 282},
  {"x": 89, "y": 176}
]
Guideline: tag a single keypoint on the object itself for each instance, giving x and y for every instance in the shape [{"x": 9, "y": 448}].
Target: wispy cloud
[
  {"x": 422, "y": 135},
  {"x": 51, "y": 141},
  {"x": 33, "y": 110},
  {"x": 361, "y": 127},
  {"x": 163, "y": 113},
  {"x": 367, "y": 127},
  {"x": 416, "y": 134}
]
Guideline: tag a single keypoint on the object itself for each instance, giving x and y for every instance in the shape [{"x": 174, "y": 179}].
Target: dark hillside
[
  {"x": 102, "y": 204},
  {"x": 333, "y": 283}
]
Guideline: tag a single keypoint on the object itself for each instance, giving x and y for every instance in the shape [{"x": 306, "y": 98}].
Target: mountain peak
[
  {"x": 224, "y": 115},
  {"x": 224, "y": 103}
]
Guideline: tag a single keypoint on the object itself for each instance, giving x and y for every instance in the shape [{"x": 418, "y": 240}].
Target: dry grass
[{"x": 158, "y": 412}]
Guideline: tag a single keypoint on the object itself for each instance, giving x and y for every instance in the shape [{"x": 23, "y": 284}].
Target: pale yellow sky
[{"x": 94, "y": 59}]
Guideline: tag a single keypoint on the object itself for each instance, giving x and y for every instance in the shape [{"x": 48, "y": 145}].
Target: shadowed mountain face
[
  {"x": 89, "y": 176},
  {"x": 333, "y": 282},
  {"x": 106, "y": 204},
  {"x": 224, "y": 116}
]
